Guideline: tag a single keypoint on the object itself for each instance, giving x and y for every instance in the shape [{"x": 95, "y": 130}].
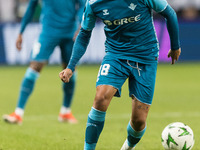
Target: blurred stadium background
[
  {"x": 176, "y": 95},
  {"x": 12, "y": 11}
]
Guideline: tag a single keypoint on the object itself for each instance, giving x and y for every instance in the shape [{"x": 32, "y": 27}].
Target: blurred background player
[
  {"x": 131, "y": 52},
  {"x": 60, "y": 21}
]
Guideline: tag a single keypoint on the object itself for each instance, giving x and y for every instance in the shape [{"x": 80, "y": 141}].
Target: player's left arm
[
  {"x": 83, "y": 37},
  {"x": 173, "y": 29},
  {"x": 163, "y": 8}
]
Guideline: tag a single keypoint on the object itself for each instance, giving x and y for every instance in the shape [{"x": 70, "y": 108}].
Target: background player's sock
[
  {"x": 94, "y": 127},
  {"x": 66, "y": 115},
  {"x": 65, "y": 110},
  {"x": 68, "y": 89},
  {"x": 134, "y": 136},
  {"x": 27, "y": 87},
  {"x": 19, "y": 112}
]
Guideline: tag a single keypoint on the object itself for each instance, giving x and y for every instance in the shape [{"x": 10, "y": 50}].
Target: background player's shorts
[
  {"x": 44, "y": 47},
  {"x": 114, "y": 72}
]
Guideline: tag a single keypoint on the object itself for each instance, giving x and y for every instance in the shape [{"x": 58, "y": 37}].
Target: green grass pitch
[{"x": 176, "y": 98}]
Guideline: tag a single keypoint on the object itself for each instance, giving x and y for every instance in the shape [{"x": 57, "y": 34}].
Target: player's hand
[
  {"x": 174, "y": 54},
  {"x": 19, "y": 42},
  {"x": 65, "y": 75}
]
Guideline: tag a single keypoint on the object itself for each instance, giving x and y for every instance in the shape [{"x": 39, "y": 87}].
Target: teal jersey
[
  {"x": 129, "y": 28},
  {"x": 58, "y": 17}
]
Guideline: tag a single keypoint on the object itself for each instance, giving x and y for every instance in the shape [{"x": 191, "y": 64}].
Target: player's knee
[
  {"x": 102, "y": 95},
  {"x": 31, "y": 74},
  {"x": 37, "y": 66},
  {"x": 138, "y": 123},
  {"x": 100, "y": 98},
  {"x": 101, "y": 102}
]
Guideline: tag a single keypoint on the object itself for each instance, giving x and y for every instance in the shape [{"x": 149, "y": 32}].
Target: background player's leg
[
  {"x": 68, "y": 91},
  {"x": 28, "y": 83},
  {"x": 137, "y": 125},
  {"x": 27, "y": 86},
  {"x": 40, "y": 54},
  {"x": 96, "y": 117},
  {"x": 68, "y": 88}
]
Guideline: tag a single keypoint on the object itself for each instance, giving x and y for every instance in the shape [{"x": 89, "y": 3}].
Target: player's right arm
[
  {"x": 26, "y": 19},
  {"x": 163, "y": 8},
  {"x": 81, "y": 42}
]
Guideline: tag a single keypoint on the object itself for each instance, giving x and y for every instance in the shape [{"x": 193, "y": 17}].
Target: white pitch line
[{"x": 119, "y": 116}]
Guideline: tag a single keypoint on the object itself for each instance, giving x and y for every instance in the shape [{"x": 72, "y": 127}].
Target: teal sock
[
  {"x": 134, "y": 136},
  {"x": 27, "y": 87},
  {"x": 94, "y": 127},
  {"x": 68, "y": 89}
]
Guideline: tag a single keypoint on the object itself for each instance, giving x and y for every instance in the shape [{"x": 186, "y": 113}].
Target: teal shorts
[
  {"x": 141, "y": 77},
  {"x": 44, "y": 47}
]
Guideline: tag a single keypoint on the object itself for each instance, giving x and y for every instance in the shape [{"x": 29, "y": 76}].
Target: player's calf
[{"x": 94, "y": 127}]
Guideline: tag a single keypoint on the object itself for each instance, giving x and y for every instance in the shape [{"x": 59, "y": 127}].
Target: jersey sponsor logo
[
  {"x": 132, "y": 6},
  {"x": 105, "y": 12},
  {"x": 123, "y": 20}
]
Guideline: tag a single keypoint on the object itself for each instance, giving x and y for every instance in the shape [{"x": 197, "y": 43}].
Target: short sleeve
[
  {"x": 157, "y": 5},
  {"x": 89, "y": 19}
]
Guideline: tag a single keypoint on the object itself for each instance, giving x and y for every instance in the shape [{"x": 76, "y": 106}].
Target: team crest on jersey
[
  {"x": 132, "y": 6},
  {"x": 105, "y": 12}
]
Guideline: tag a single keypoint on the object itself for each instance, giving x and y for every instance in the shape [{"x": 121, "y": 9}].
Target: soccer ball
[{"x": 177, "y": 136}]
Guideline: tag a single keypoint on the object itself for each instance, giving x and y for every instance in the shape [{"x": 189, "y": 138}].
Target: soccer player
[
  {"x": 131, "y": 52},
  {"x": 59, "y": 19}
]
